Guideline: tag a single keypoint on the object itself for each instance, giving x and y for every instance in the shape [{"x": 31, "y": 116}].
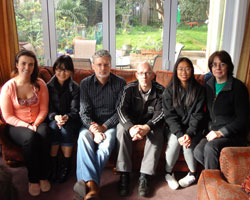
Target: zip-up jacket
[
  {"x": 184, "y": 119},
  {"x": 132, "y": 110},
  {"x": 229, "y": 110}
]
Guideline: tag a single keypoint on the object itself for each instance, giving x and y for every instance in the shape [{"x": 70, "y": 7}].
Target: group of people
[{"x": 107, "y": 112}]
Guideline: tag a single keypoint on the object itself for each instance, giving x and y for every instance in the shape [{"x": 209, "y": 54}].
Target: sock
[{"x": 192, "y": 173}]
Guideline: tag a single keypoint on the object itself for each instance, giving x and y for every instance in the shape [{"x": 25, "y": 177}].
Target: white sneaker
[
  {"x": 187, "y": 180},
  {"x": 172, "y": 183}
]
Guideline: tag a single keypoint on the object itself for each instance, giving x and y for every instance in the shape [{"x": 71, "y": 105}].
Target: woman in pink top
[{"x": 24, "y": 105}]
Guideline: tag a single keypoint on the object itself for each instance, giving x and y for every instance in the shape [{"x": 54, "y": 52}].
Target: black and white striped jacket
[{"x": 132, "y": 110}]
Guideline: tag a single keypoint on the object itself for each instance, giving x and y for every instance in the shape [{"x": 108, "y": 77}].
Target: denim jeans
[{"x": 92, "y": 157}]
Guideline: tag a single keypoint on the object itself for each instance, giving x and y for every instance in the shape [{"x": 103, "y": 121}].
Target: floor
[{"x": 159, "y": 188}]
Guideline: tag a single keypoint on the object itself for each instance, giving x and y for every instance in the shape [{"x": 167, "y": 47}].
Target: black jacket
[
  {"x": 185, "y": 119},
  {"x": 132, "y": 111},
  {"x": 229, "y": 110},
  {"x": 63, "y": 100}
]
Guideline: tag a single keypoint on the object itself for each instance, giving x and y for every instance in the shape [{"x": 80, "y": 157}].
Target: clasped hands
[
  {"x": 61, "y": 120},
  {"x": 98, "y": 132},
  {"x": 137, "y": 132},
  {"x": 185, "y": 141}
]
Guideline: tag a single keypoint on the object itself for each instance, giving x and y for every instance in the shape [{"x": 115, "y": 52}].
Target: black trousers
[
  {"x": 35, "y": 147},
  {"x": 208, "y": 152}
]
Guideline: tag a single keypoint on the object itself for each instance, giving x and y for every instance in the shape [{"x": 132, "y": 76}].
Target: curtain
[
  {"x": 244, "y": 64},
  {"x": 8, "y": 39}
]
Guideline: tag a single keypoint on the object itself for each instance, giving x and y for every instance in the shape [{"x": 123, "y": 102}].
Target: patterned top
[
  {"x": 98, "y": 102},
  {"x": 28, "y": 102}
]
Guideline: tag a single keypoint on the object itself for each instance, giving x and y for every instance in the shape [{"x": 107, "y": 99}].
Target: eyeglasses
[
  {"x": 221, "y": 65},
  {"x": 62, "y": 70},
  {"x": 144, "y": 73},
  {"x": 187, "y": 69}
]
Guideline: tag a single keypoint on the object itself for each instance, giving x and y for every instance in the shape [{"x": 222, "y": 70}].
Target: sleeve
[
  {"x": 75, "y": 103},
  {"x": 123, "y": 108},
  {"x": 158, "y": 110},
  {"x": 85, "y": 105},
  {"x": 52, "y": 111},
  {"x": 113, "y": 120},
  {"x": 197, "y": 113},
  {"x": 44, "y": 102},
  {"x": 171, "y": 117},
  {"x": 7, "y": 107},
  {"x": 241, "y": 107}
]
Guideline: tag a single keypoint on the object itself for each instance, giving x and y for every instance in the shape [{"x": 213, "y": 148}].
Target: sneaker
[
  {"x": 172, "y": 183},
  {"x": 187, "y": 180},
  {"x": 79, "y": 189},
  {"x": 123, "y": 185},
  {"x": 143, "y": 188}
]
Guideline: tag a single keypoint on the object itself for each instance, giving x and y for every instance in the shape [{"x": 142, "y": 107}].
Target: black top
[
  {"x": 132, "y": 109},
  {"x": 229, "y": 110},
  {"x": 98, "y": 103},
  {"x": 63, "y": 99},
  {"x": 184, "y": 119}
]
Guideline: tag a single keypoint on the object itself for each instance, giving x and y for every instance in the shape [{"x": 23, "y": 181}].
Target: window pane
[
  {"x": 78, "y": 29},
  {"x": 192, "y": 30},
  {"x": 138, "y": 31},
  {"x": 29, "y": 27}
]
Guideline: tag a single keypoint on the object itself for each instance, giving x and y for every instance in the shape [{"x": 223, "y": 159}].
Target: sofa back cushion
[{"x": 235, "y": 163}]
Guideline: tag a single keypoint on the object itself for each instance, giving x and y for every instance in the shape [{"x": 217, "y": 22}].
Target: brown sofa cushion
[
  {"x": 246, "y": 185},
  {"x": 235, "y": 163},
  {"x": 213, "y": 186}
]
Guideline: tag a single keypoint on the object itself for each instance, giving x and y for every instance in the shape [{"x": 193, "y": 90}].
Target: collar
[
  {"x": 228, "y": 86},
  {"x": 96, "y": 81}
]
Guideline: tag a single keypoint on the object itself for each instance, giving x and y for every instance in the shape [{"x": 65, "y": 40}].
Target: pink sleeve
[
  {"x": 7, "y": 98},
  {"x": 44, "y": 102}
]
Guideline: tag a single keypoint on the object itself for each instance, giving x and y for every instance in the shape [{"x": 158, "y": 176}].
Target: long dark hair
[
  {"x": 225, "y": 58},
  {"x": 34, "y": 75},
  {"x": 191, "y": 89}
]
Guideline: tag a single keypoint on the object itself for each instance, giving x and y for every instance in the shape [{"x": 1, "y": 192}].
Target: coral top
[{"x": 21, "y": 115}]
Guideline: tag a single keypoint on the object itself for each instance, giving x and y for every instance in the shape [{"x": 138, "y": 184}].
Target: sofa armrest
[
  {"x": 2, "y": 128},
  {"x": 235, "y": 163},
  {"x": 213, "y": 186}
]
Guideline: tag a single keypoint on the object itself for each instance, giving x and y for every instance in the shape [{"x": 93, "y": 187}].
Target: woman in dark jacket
[
  {"x": 183, "y": 105},
  {"x": 228, "y": 111},
  {"x": 63, "y": 115}
]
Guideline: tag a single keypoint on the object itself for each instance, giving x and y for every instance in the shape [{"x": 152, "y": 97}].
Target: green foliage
[{"x": 193, "y": 10}]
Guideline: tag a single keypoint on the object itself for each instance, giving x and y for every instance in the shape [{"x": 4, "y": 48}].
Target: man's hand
[
  {"x": 99, "y": 137},
  {"x": 137, "y": 132},
  {"x": 94, "y": 128},
  {"x": 185, "y": 141},
  {"x": 213, "y": 134}
]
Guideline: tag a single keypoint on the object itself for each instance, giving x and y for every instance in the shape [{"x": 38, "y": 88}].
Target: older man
[
  {"x": 140, "y": 115},
  {"x": 99, "y": 98}
]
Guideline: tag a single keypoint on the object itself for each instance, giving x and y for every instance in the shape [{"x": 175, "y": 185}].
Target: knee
[
  {"x": 84, "y": 135},
  {"x": 198, "y": 153},
  {"x": 210, "y": 149}
]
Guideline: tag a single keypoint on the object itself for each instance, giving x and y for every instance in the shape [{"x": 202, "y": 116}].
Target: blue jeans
[
  {"x": 92, "y": 157},
  {"x": 65, "y": 135}
]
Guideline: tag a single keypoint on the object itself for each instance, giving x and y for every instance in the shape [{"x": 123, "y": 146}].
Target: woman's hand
[
  {"x": 32, "y": 127},
  {"x": 213, "y": 134},
  {"x": 185, "y": 140},
  {"x": 61, "y": 120}
]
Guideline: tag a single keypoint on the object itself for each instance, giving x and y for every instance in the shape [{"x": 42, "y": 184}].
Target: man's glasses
[{"x": 144, "y": 73}]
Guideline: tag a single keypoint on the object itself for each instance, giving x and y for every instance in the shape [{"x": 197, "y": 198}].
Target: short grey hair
[
  {"x": 100, "y": 54},
  {"x": 145, "y": 63}
]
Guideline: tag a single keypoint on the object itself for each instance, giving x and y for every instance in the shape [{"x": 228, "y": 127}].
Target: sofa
[
  {"x": 12, "y": 153},
  {"x": 226, "y": 183}
]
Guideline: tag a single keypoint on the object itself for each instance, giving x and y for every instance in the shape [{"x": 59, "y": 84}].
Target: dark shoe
[
  {"x": 123, "y": 185},
  {"x": 143, "y": 186},
  {"x": 93, "y": 191}
]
